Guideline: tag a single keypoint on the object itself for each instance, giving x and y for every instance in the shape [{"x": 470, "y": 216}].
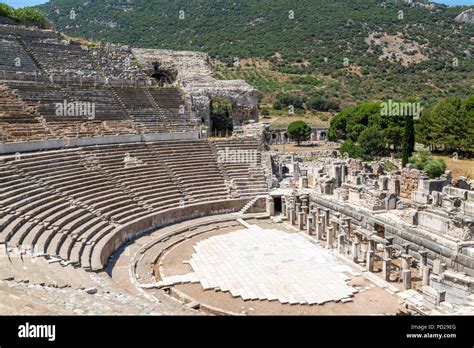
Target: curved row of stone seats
[
  {"x": 71, "y": 174},
  {"x": 106, "y": 107},
  {"x": 38, "y": 222},
  {"x": 64, "y": 203},
  {"x": 174, "y": 109},
  {"x": 195, "y": 167},
  {"x": 141, "y": 109},
  {"x": 243, "y": 166},
  {"x": 41, "y": 219},
  {"x": 16, "y": 31},
  {"x": 46, "y": 97},
  {"x": 145, "y": 175},
  {"x": 91, "y": 128},
  {"x": 117, "y": 61},
  {"x": 14, "y": 58},
  {"x": 18, "y": 119},
  {"x": 59, "y": 58}
]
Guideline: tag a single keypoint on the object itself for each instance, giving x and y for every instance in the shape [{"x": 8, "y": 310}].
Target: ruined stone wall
[
  {"x": 195, "y": 77},
  {"x": 408, "y": 181}
]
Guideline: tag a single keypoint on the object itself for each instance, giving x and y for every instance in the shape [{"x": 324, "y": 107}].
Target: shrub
[
  {"x": 423, "y": 160},
  {"x": 435, "y": 167},
  {"x": 277, "y": 105},
  {"x": 352, "y": 149}
]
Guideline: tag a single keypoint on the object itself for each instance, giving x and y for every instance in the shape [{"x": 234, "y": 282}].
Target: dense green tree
[
  {"x": 6, "y": 11},
  {"x": 449, "y": 125},
  {"x": 408, "y": 143},
  {"x": 371, "y": 144},
  {"x": 299, "y": 131}
]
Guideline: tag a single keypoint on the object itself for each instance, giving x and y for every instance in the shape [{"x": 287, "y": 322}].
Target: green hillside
[{"x": 340, "y": 51}]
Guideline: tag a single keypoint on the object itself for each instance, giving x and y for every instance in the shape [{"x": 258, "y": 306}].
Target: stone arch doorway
[
  {"x": 221, "y": 119},
  {"x": 162, "y": 76}
]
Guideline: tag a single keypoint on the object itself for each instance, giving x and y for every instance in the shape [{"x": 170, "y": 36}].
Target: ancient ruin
[
  {"x": 132, "y": 209},
  {"x": 192, "y": 72}
]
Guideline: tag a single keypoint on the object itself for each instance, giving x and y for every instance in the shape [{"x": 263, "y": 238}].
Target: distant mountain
[{"x": 349, "y": 50}]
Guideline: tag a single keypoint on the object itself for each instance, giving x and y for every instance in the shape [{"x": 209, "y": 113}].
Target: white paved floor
[{"x": 269, "y": 265}]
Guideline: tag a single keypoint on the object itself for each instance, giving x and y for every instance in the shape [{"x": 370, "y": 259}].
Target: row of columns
[{"x": 336, "y": 230}]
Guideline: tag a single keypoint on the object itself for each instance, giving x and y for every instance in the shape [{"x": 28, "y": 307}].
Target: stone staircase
[
  {"x": 159, "y": 112},
  {"x": 250, "y": 204}
]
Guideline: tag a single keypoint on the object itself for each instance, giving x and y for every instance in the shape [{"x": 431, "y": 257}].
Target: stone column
[
  {"x": 341, "y": 238},
  {"x": 296, "y": 172},
  {"x": 348, "y": 223},
  {"x": 335, "y": 227},
  {"x": 270, "y": 206},
  {"x": 283, "y": 207},
  {"x": 423, "y": 260},
  {"x": 370, "y": 256},
  {"x": 314, "y": 214},
  {"x": 329, "y": 238},
  {"x": 301, "y": 220},
  {"x": 426, "y": 275},
  {"x": 323, "y": 224},
  {"x": 387, "y": 262},
  {"x": 327, "y": 212},
  {"x": 298, "y": 208},
  {"x": 309, "y": 225},
  {"x": 355, "y": 249},
  {"x": 304, "y": 209},
  {"x": 406, "y": 272},
  {"x": 292, "y": 216},
  {"x": 304, "y": 182},
  {"x": 319, "y": 230}
]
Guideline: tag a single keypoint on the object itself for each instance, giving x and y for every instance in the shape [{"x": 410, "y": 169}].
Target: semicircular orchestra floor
[{"x": 261, "y": 267}]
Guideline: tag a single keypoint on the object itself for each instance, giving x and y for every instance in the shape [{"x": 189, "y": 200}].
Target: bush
[
  {"x": 299, "y": 131},
  {"x": 423, "y": 160},
  {"x": 351, "y": 149},
  {"x": 265, "y": 112},
  {"x": 27, "y": 14},
  {"x": 277, "y": 105},
  {"x": 420, "y": 159},
  {"x": 324, "y": 118},
  {"x": 435, "y": 167}
]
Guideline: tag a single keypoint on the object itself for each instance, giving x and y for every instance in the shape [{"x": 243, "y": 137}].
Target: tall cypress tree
[{"x": 408, "y": 142}]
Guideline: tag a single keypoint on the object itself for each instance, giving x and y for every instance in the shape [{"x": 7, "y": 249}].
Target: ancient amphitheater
[{"x": 114, "y": 200}]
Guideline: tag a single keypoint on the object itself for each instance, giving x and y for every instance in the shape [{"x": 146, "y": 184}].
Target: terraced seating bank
[
  {"x": 80, "y": 204},
  {"x": 96, "y": 111},
  {"x": 44, "y": 69}
]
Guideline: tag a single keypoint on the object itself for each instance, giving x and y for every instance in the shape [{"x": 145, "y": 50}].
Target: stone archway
[
  {"x": 221, "y": 119},
  {"x": 163, "y": 76}
]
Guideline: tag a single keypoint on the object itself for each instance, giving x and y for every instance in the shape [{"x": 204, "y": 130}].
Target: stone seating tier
[{"x": 63, "y": 203}]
